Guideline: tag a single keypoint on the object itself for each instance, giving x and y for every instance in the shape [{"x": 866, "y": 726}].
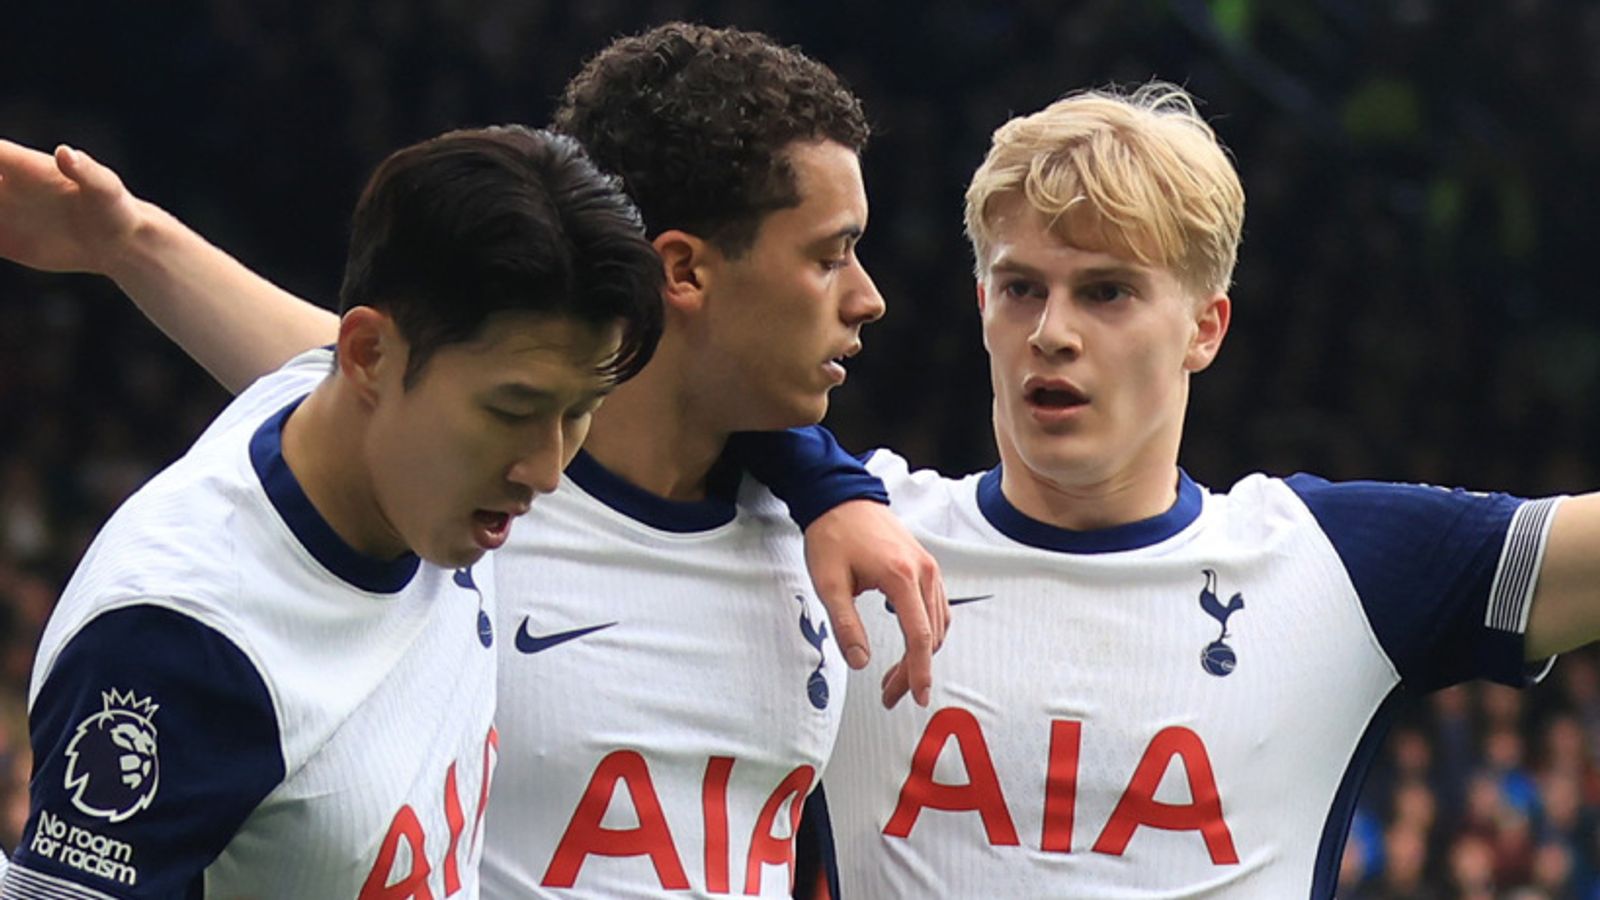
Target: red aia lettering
[
  {"x": 1138, "y": 805},
  {"x": 1061, "y": 786},
  {"x": 714, "y": 806},
  {"x": 407, "y": 827},
  {"x": 585, "y": 835},
  {"x": 414, "y": 886},
  {"x": 456, "y": 821},
  {"x": 981, "y": 792},
  {"x": 491, "y": 756},
  {"x": 765, "y": 849}
]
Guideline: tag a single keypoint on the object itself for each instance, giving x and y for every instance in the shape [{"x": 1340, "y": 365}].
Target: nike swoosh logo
[
  {"x": 954, "y": 601},
  {"x": 538, "y": 643}
]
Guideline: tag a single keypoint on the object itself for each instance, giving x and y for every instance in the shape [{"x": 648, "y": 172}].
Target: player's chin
[
  {"x": 453, "y": 554},
  {"x": 796, "y": 409},
  {"x": 1063, "y": 459}
]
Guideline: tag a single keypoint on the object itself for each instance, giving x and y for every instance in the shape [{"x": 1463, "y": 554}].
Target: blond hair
[{"x": 1138, "y": 175}]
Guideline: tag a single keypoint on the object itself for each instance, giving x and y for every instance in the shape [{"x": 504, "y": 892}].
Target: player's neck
[
  {"x": 329, "y": 467},
  {"x": 1142, "y": 488},
  {"x": 651, "y": 436},
  {"x": 1089, "y": 507}
]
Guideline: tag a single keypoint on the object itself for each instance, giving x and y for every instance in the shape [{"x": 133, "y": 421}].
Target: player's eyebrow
[
  {"x": 514, "y": 390},
  {"x": 849, "y": 234},
  {"x": 1138, "y": 275},
  {"x": 1006, "y": 265}
]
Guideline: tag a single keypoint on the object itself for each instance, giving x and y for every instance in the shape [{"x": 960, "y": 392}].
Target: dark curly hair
[
  {"x": 455, "y": 229},
  {"x": 696, "y": 119}
]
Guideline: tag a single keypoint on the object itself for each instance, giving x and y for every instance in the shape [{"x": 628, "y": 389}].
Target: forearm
[{"x": 232, "y": 321}]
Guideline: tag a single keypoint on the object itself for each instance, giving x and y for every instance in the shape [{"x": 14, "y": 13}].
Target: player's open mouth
[
  {"x": 836, "y": 366},
  {"x": 1053, "y": 400},
  {"x": 490, "y": 528},
  {"x": 1055, "y": 397}
]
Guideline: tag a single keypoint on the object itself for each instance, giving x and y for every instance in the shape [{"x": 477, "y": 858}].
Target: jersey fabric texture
[
  {"x": 231, "y": 702},
  {"x": 669, "y": 692},
  {"x": 1179, "y": 707}
]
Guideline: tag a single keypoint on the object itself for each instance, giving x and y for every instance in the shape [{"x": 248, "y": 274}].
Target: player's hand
[
  {"x": 62, "y": 213},
  {"x": 859, "y": 545}
]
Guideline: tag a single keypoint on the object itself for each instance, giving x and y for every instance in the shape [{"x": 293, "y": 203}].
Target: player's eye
[
  {"x": 1105, "y": 291},
  {"x": 1022, "y": 289},
  {"x": 509, "y": 417}
]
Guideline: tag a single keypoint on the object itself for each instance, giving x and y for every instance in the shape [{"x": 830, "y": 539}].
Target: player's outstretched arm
[
  {"x": 1566, "y": 603},
  {"x": 68, "y": 213},
  {"x": 860, "y": 545}
]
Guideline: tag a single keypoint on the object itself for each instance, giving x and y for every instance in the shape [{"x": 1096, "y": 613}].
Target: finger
[
  {"x": 939, "y": 604},
  {"x": 24, "y": 162},
  {"x": 913, "y": 615},
  {"x": 848, "y": 632},
  {"x": 895, "y": 685},
  {"x": 82, "y": 168}
]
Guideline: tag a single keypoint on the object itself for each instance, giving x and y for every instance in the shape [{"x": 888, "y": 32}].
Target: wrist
[{"x": 141, "y": 247}]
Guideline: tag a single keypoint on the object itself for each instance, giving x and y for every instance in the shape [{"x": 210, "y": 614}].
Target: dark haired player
[
  {"x": 670, "y": 682},
  {"x": 273, "y": 674}
]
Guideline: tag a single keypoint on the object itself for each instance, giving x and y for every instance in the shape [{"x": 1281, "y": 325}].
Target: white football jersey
[
  {"x": 1180, "y": 707},
  {"x": 669, "y": 691},
  {"x": 229, "y": 701}
]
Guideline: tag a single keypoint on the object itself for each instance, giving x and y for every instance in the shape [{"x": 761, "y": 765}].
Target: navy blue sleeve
[
  {"x": 1445, "y": 576},
  {"x": 805, "y": 468},
  {"x": 153, "y": 738}
]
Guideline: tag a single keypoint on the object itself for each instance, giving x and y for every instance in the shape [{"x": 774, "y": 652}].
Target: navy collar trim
[
  {"x": 1012, "y": 523},
  {"x": 678, "y": 516},
  {"x": 378, "y": 576}
]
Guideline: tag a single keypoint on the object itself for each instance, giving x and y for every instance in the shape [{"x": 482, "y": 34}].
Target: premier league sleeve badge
[{"x": 113, "y": 769}]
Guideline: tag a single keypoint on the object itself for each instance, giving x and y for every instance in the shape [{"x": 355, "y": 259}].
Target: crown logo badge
[{"x": 112, "y": 765}]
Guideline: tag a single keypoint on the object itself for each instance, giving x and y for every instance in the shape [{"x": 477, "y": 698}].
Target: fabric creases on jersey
[
  {"x": 1184, "y": 709},
  {"x": 669, "y": 691},
  {"x": 230, "y": 702}
]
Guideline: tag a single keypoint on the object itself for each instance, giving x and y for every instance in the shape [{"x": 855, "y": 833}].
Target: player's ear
[
  {"x": 983, "y": 297},
  {"x": 369, "y": 346},
  {"x": 685, "y": 259},
  {"x": 1212, "y": 316}
]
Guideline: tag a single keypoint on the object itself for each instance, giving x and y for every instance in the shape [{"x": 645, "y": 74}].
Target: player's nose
[
  {"x": 1056, "y": 331},
  {"x": 864, "y": 303},
  {"x": 538, "y": 468}
]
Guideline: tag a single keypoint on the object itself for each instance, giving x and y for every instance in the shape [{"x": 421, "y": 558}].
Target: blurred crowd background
[{"x": 1410, "y": 302}]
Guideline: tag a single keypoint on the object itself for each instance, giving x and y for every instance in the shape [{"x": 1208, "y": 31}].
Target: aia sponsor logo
[{"x": 112, "y": 766}]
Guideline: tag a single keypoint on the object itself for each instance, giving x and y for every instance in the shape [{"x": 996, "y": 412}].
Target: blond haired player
[{"x": 1151, "y": 689}]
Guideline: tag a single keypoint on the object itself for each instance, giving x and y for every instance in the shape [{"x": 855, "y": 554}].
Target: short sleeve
[
  {"x": 805, "y": 468},
  {"x": 153, "y": 736},
  {"x": 1445, "y": 577}
]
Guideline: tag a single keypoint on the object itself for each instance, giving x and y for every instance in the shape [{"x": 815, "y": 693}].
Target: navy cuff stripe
[{"x": 1511, "y": 595}]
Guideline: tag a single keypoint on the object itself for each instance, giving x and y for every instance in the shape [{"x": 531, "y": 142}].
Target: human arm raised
[{"x": 66, "y": 212}]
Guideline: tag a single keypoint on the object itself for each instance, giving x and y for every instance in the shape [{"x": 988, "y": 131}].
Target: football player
[
  {"x": 1153, "y": 689},
  {"x": 671, "y": 679},
  {"x": 273, "y": 673}
]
